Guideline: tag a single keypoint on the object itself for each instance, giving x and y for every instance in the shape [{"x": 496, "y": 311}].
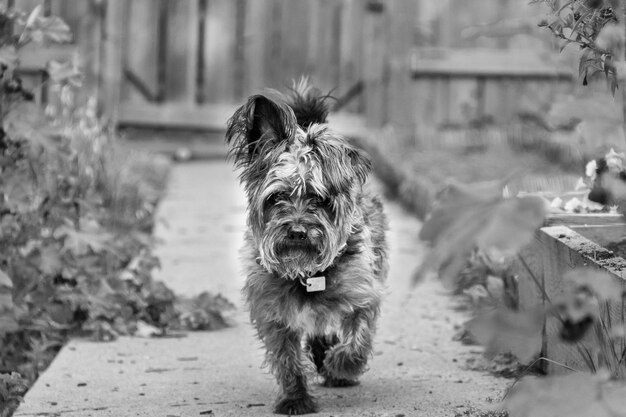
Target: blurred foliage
[
  {"x": 466, "y": 217},
  {"x": 76, "y": 216},
  {"x": 575, "y": 395},
  {"x": 482, "y": 224}
]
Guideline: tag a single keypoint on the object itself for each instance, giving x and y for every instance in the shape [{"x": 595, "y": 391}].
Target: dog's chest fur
[{"x": 311, "y": 320}]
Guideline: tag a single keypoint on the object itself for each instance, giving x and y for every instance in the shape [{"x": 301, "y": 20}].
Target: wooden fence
[{"x": 188, "y": 63}]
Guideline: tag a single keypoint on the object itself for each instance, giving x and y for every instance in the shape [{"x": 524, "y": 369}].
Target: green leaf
[
  {"x": 507, "y": 331},
  {"x": 25, "y": 122},
  {"x": 470, "y": 216},
  {"x": 50, "y": 260},
  {"x": 50, "y": 29},
  {"x": 21, "y": 192},
  {"x": 80, "y": 242}
]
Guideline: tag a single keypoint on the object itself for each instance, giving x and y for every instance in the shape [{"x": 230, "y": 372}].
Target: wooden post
[
  {"x": 622, "y": 81},
  {"x": 375, "y": 63},
  {"x": 193, "y": 54},
  {"x": 112, "y": 59},
  {"x": 255, "y": 46}
]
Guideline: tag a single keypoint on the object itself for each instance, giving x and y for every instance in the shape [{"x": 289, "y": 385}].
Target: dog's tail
[{"x": 308, "y": 103}]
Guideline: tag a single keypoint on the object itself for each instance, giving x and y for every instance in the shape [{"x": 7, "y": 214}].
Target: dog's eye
[
  {"x": 320, "y": 201},
  {"x": 276, "y": 197}
]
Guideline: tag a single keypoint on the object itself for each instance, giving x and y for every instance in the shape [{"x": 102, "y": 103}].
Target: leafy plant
[
  {"x": 76, "y": 215},
  {"x": 596, "y": 26}
]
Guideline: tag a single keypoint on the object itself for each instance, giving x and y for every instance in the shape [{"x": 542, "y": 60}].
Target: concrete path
[{"x": 417, "y": 369}]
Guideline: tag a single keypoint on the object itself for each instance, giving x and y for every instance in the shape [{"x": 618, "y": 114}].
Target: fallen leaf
[{"x": 50, "y": 260}]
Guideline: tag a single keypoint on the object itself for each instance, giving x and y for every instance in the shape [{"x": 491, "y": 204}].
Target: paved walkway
[{"x": 417, "y": 369}]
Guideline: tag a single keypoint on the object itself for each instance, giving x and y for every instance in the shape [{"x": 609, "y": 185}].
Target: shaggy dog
[{"x": 315, "y": 248}]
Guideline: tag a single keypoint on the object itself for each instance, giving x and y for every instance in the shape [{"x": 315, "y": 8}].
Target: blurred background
[{"x": 446, "y": 88}]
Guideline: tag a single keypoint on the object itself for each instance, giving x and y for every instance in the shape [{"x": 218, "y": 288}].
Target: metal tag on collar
[{"x": 314, "y": 284}]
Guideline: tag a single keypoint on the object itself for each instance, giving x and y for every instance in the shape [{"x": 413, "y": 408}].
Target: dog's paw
[
  {"x": 343, "y": 363},
  {"x": 295, "y": 406},
  {"x": 331, "y": 382}
]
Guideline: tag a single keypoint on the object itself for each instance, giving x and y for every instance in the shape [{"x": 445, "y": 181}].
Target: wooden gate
[{"x": 187, "y": 63}]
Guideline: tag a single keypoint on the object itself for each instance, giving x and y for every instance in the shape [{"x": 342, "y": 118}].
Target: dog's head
[{"x": 303, "y": 182}]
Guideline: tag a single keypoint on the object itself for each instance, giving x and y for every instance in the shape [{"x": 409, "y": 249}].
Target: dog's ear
[
  {"x": 258, "y": 125},
  {"x": 361, "y": 164}
]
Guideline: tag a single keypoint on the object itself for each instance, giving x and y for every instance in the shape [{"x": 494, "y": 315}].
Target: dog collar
[
  {"x": 314, "y": 284},
  {"x": 317, "y": 282}
]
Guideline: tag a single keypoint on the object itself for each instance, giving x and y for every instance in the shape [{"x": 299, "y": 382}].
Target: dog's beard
[{"x": 299, "y": 259}]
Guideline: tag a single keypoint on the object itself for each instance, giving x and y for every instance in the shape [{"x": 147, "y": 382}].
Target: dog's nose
[{"x": 296, "y": 232}]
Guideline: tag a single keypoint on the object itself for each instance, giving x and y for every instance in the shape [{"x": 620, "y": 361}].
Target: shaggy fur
[{"x": 308, "y": 216}]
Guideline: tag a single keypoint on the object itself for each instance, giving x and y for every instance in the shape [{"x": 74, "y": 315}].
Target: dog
[{"x": 315, "y": 250}]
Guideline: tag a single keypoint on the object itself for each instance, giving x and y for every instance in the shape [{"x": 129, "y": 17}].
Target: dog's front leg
[
  {"x": 284, "y": 356},
  {"x": 348, "y": 359}
]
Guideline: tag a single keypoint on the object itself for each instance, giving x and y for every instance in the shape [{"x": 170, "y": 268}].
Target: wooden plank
[
  {"x": 294, "y": 42},
  {"x": 111, "y": 82},
  {"x": 429, "y": 96},
  {"x": 591, "y": 219},
  {"x": 462, "y": 101},
  {"x": 239, "y": 56},
  {"x": 487, "y": 62},
  {"x": 141, "y": 54},
  {"x": 220, "y": 46},
  {"x": 401, "y": 109},
  {"x": 273, "y": 40},
  {"x": 214, "y": 117},
  {"x": 183, "y": 115},
  {"x": 326, "y": 49},
  {"x": 177, "y": 46},
  {"x": 254, "y": 46},
  {"x": 313, "y": 37},
  {"x": 375, "y": 38},
  {"x": 351, "y": 51},
  {"x": 191, "y": 76},
  {"x": 493, "y": 96}
]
